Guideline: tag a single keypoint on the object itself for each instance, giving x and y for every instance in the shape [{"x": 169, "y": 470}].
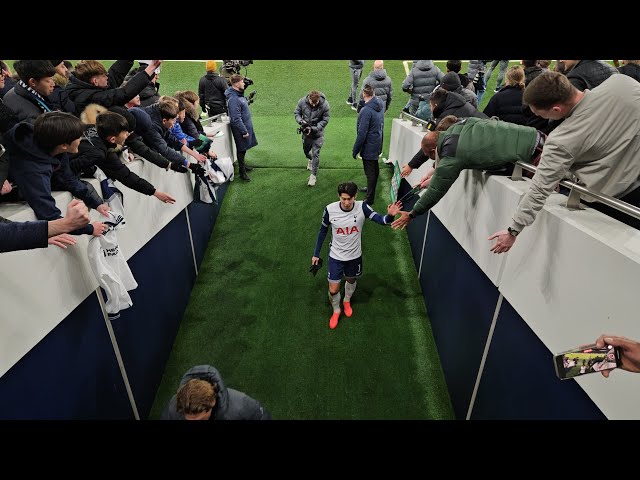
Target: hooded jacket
[
  {"x": 94, "y": 151},
  {"x": 455, "y": 104},
  {"x": 317, "y": 117},
  {"x": 381, "y": 84},
  {"x": 211, "y": 90},
  {"x": 33, "y": 170},
  {"x": 230, "y": 404},
  {"x": 83, "y": 93},
  {"x": 422, "y": 79}
]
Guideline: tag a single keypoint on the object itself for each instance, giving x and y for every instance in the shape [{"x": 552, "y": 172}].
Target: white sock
[
  {"x": 349, "y": 288},
  {"x": 335, "y": 301}
]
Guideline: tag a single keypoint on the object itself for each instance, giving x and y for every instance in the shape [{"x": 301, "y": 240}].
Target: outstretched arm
[{"x": 392, "y": 210}]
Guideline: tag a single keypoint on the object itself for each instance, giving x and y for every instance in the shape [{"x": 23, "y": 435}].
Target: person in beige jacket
[{"x": 598, "y": 142}]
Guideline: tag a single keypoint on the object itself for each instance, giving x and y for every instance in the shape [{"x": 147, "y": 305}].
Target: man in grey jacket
[
  {"x": 598, "y": 142},
  {"x": 381, "y": 84},
  {"x": 312, "y": 114},
  {"x": 422, "y": 79},
  {"x": 202, "y": 395}
]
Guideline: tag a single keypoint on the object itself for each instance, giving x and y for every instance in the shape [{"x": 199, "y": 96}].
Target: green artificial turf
[{"x": 259, "y": 317}]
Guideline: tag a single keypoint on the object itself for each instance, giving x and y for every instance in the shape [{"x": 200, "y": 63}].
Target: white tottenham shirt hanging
[{"x": 111, "y": 269}]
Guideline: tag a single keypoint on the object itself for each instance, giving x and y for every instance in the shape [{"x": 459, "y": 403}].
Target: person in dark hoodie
[
  {"x": 137, "y": 146},
  {"x": 91, "y": 83},
  {"x": 445, "y": 103},
  {"x": 241, "y": 123},
  {"x": 312, "y": 114},
  {"x": 202, "y": 395},
  {"x": 368, "y": 142},
  {"x": 39, "y": 156},
  {"x": 99, "y": 148},
  {"x": 151, "y": 93},
  {"x": 30, "y": 96},
  {"x": 211, "y": 90}
]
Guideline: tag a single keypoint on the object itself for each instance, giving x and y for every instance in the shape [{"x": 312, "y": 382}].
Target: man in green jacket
[{"x": 481, "y": 144}]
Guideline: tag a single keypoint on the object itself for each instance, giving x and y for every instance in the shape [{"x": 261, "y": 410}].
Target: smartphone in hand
[{"x": 585, "y": 359}]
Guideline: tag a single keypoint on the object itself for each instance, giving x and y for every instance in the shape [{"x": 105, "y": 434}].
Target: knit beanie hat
[
  {"x": 211, "y": 66},
  {"x": 451, "y": 82}
]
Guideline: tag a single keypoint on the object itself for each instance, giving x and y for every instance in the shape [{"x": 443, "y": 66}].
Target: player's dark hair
[{"x": 349, "y": 188}]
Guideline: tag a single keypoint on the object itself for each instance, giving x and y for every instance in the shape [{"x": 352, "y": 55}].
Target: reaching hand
[
  {"x": 6, "y": 187},
  {"x": 403, "y": 221},
  {"x": 213, "y": 155},
  {"x": 394, "y": 208},
  {"x": 99, "y": 228},
  {"x": 406, "y": 170},
  {"x": 62, "y": 240},
  {"x": 200, "y": 157},
  {"x": 103, "y": 209},
  {"x": 426, "y": 180},
  {"x": 164, "y": 197},
  {"x": 629, "y": 352},
  {"x": 504, "y": 243},
  {"x": 77, "y": 214}
]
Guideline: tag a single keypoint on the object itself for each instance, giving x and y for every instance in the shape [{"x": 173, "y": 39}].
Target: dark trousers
[
  {"x": 632, "y": 198},
  {"x": 372, "y": 171}
]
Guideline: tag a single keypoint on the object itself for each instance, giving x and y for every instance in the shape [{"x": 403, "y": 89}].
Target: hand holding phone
[{"x": 586, "y": 359}]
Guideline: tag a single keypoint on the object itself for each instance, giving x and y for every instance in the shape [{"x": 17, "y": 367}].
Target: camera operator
[
  {"x": 211, "y": 91},
  {"x": 232, "y": 67},
  {"x": 312, "y": 114},
  {"x": 241, "y": 123}
]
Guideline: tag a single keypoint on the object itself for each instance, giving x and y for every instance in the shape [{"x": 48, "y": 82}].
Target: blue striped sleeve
[
  {"x": 322, "y": 234},
  {"x": 376, "y": 217}
]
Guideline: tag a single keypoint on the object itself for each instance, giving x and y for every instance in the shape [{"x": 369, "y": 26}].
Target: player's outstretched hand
[{"x": 394, "y": 208}]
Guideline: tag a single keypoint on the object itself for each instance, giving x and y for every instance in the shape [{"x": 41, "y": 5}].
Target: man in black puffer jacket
[
  {"x": 202, "y": 395},
  {"x": 585, "y": 74}
]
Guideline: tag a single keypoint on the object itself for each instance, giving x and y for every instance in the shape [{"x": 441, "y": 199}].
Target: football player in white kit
[{"x": 346, "y": 218}]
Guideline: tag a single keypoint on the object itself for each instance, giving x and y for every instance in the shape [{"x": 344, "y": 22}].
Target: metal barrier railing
[
  {"x": 415, "y": 121},
  {"x": 212, "y": 119},
  {"x": 575, "y": 191}
]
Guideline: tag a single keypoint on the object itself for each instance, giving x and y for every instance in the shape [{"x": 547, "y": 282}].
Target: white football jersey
[{"x": 346, "y": 228}]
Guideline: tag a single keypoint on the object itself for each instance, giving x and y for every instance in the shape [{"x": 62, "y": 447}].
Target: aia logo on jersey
[{"x": 347, "y": 230}]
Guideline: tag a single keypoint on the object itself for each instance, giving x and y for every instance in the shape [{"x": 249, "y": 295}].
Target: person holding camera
[
  {"x": 312, "y": 114},
  {"x": 241, "y": 123}
]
